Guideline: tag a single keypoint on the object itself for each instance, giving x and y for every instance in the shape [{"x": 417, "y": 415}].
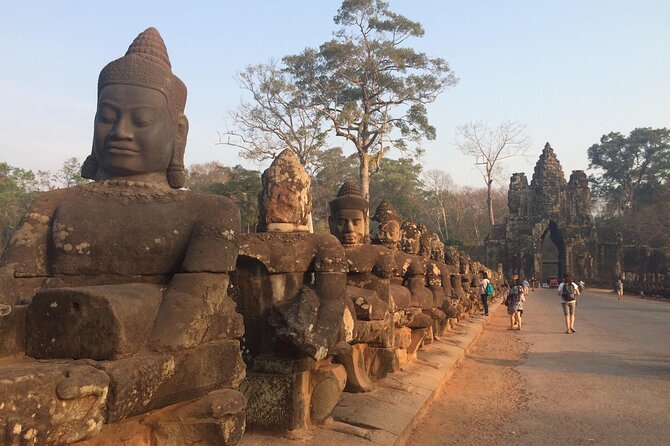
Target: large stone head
[
  {"x": 436, "y": 248},
  {"x": 410, "y": 237},
  {"x": 347, "y": 215},
  {"x": 285, "y": 202},
  {"x": 140, "y": 128},
  {"x": 425, "y": 241},
  {"x": 388, "y": 225}
]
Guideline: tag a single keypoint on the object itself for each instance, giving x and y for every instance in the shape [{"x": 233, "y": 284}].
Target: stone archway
[{"x": 550, "y": 253}]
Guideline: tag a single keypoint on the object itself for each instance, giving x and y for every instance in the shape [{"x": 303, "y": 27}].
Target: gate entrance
[{"x": 552, "y": 250}]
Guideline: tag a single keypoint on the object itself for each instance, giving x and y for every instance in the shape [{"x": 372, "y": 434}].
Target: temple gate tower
[{"x": 549, "y": 228}]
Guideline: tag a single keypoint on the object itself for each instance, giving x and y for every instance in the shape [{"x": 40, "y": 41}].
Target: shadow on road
[{"x": 601, "y": 363}]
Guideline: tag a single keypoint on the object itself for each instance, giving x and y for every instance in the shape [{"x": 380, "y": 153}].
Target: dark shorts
[{"x": 569, "y": 307}]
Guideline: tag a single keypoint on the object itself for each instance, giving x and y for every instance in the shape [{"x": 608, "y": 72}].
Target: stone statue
[
  {"x": 129, "y": 274},
  {"x": 369, "y": 280},
  {"x": 290, "y": 285}
]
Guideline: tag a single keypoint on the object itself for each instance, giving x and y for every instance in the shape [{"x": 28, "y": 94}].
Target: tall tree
[
  {"x": 440, "y": 188},
  {"x": 201, "y": 176},
  {"x": 368, "y": 85},
  {"x": 70, "y": 173},
  {"x": 629, "y": 169},
  {"x": 276, "y": 117},
  {"x": 399, "y": 181},
  {"x": 490, "y": 147}
]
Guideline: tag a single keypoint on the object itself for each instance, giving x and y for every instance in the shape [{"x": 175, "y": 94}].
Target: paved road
[{"x": 609, "y": 383}]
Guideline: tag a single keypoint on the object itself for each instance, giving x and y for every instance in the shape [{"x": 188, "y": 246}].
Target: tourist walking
[
  {"x": 568, "y": 290},
  {"x": 483, "y": 285},
  {"x": 618, "y": 287},
  {"x": 514, "y": 302}
]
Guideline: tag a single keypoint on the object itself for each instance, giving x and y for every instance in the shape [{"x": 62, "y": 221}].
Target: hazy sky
[{"x": 570, "y": 70}]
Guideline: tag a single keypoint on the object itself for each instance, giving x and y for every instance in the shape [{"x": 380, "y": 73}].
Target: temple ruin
[{"x": 549, "y": 229}]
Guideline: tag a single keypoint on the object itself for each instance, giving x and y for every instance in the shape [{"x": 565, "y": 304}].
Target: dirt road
[{"x": 607, "y": 384}]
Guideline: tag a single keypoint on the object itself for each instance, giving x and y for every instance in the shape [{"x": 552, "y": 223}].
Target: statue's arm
[
  {"x": 24, "y": 263},
  {"x": 196, "y": 301}
]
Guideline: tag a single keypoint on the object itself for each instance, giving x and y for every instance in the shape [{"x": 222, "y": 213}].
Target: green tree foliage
[
  {"x": 370, "y": 86},
  {"x": 332, "y": 169},
  {"x": 70, "y": 173},
  {"x": 630, "y": 171},
  {"x": 18, "y": 188},
  {"x": 399, "y": 181},
  {"x": 243, "y": 186}
]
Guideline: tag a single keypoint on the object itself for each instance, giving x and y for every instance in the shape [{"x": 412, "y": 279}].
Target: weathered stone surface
[
  {"x": 358, "y": 379},
  {"x": 403, "y": 337},
  {"x": 285, "y": 202},
  {"x": 419, "y": 335},
  {"x": 367, "y": 303},
  {"x": 401, "y": 296},
  {"x": 276, "y": 401},
  {"x": 203, "y": 309},
  {"x": 12, "y": 330},
  {"x": 44, "y": 403},
  {"x": 99, "y": 322},
  {"x": 217, "y": 418},
  {"x": 327, "y": 383},
  {"x": 215, "y": 365},
  {"x": 380, "y": 362},
  {"x": 296, "y": 320},
  {"x": 135, "y": 381}
]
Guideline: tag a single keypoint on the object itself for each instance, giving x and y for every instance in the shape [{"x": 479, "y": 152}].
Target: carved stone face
[
  {"x": 348, "y": 225},
  {"x": 133, "y": 131},
  {"x": 389, "y": 234}
]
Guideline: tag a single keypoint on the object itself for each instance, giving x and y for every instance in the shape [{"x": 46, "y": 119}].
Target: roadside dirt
[{"x": 483, "y": 393}]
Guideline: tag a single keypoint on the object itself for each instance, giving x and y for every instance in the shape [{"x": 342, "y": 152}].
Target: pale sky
[{"x": 570, "y": 70}]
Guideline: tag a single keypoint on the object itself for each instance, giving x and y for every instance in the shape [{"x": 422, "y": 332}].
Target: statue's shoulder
[{"x": 213, "y": 209}]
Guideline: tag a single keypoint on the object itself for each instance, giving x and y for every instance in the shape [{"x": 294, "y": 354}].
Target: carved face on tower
[
  {"x": 389, "y": 225},
  {"x": 347, "y": 215},
  {"x": 140, "y": 129}
]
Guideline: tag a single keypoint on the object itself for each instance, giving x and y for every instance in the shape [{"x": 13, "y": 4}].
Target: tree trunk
[
  {"x": 489, "y": 205},
  {"x": 444, "y": 221},
  {"x": 364, "y": 173}
]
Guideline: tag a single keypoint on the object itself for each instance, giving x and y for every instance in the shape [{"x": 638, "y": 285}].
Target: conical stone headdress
[
  {"x": 385, "y": 213},
  {"x": 147, "y": 64},
  {"x": 349, "y": 197}
]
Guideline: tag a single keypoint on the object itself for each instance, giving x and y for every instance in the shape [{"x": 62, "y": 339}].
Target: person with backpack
[
  {"x": 514, "y": 303},
  {"x": 568, "y": 290},
  {"x": 485, "y": 290}
]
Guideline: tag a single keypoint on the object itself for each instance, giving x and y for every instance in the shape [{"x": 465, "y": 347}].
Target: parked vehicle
[{"x": 553, "y": 282}]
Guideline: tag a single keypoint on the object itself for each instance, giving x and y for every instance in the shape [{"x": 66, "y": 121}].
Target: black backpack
[{"x": 569, "y": 291}]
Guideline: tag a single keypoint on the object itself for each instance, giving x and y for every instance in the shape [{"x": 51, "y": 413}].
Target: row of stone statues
[{"x": 134, "y": 312}]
